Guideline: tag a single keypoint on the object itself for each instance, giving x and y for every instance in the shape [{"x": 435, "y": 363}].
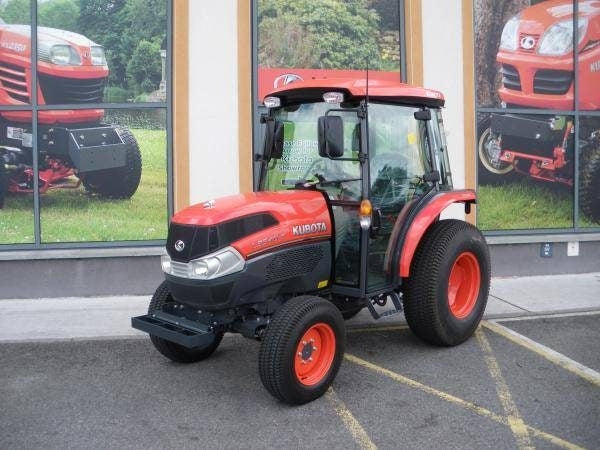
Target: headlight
[
  {"x": 558, "y": 39},
  {"x": 509, "y": 38},
  {"x": 97, "y": 54},
  {"x": 64, "y": 55},
  {"x": 218, "y": 264}
]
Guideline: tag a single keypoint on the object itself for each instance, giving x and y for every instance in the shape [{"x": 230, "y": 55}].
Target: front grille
[
  {"x": 510, "y": 77},
  {"x": 14, "y": 82},
  {"x": 71, "y": 90},
  {"x": 179, "y": 269},
  {"x": 555, "y": 82}
]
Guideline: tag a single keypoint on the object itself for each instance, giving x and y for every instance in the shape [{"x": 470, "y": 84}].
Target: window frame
[{"x": 34, "y": 108}]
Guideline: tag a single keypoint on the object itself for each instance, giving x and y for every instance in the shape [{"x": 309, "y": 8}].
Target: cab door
[{"x": 398, "y": 159}]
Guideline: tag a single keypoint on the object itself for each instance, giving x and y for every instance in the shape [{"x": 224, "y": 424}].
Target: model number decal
[
  {"x": 299, "y": 230},
  {"x": 14, "y": 46},
  {"x": 595, "y": 66}
]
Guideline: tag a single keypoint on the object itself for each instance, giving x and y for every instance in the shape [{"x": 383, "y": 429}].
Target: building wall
[
  {"x": 443, "y": 71},
  {"x": 213, "y": 99}
]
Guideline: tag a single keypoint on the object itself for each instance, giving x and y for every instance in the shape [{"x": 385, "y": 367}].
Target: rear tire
[
  {"x": 446, "y": 293},
  {"x": 171, "y": 350},
  {"x": 120, "y": 182},
  {"x": 302, "y": 349},
  {"x": 3, "y": 183},
  {"x": 590, "y": 184}
]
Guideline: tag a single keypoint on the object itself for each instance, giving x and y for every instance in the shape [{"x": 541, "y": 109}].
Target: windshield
[{"x": 300, "y": 162}]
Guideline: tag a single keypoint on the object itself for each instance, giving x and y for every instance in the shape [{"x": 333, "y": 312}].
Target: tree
[
  {"x": 16, "y": 12},
  {"x": 61, "y": 14},
  {"x": 144, "y": 68},
  {"x": 490, "y": 17},
  {"x": 119, "y": 26},
  {"x": 340, "y": 34}
]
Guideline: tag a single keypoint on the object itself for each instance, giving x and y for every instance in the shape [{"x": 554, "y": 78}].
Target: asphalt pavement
[{"x": 530, "y": 377}]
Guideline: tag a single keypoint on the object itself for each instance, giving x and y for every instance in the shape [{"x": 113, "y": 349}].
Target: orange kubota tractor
[
  {"x": 346, "y": 217},
  {"x": 536, "y": 63},
  {"x": 71, "y": 70}
]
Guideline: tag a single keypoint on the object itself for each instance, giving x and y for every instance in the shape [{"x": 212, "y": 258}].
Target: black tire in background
[
  {"x": 589, "y": 193},
  {"x": 426, "y": 292},
  {"x": 3, "y": 183},
  {"x": 171, "y": 350},
  {"x": 489, "y": 172},
  {"x": 277, "y": 365},
  {"x": 120, "y": 182}
]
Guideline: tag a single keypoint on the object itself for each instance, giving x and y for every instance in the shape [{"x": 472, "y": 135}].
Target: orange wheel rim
[
  {"x": 314, "y": 354},
  {"x": 463, "y": 285}
]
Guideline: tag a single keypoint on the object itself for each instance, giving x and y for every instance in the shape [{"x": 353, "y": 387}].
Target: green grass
[
  {"x": 75, "y": 216},
  {"x": 526, "y": 205}
]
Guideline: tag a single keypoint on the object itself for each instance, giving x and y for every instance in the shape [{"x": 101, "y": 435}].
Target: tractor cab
[
  {"x": 352, "y": 179},
  {"x": 372, "y": 155}
]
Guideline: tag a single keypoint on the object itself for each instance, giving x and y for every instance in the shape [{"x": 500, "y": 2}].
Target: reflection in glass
[
  {"x": 304, "y": 40},
  {"x": 524, "y": 54},
  {"x": 589, "y": 172},
  {"x": 102, "y": 51},
  {"x": 105, "y": 179},
  {"x": 588, "y": 66},
  {"x": 525, "y": 171},
  {"x": 16, "y": 178},
  {"x": 15, "y": 53}
]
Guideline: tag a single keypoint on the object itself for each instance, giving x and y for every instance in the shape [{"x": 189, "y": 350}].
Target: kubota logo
[
  {"x": 527, "y": 42},
  {"x": 299, "y": 230},
  {"x": 284, "y": 79}
]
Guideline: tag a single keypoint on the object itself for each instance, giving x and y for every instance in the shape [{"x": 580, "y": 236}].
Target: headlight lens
[
  {"x": 97, "y": 54},
  {"x": 64, "y": 55},
  {"x": 558, "y": 39},
  {"x": 509, "y": 38},
  {"x": 218, "y": 264}
]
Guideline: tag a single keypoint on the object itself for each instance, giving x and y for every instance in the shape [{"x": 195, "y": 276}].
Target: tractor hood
[
  {"x": 535, "y": 20},
  {"x": 251, "y": 223},
  {"x": 16, "y": 39}
]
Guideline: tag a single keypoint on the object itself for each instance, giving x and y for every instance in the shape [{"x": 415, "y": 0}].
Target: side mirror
[
  {"x": 277, "y": 151},
  {"x": 273, "y": 147},
  {"x": 423, "y": 114},
  {"x": 331, "y": 136}
]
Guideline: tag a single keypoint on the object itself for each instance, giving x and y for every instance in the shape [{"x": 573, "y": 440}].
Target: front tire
[
  {"x": 171, "y": 350},
  {"x": 446, "y": 293},
  {"x": 120, "y": 182},
  {"x": 302, "y": 349}
]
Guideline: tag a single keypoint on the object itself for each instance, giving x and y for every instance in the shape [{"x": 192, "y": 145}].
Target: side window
[
  {"x": 397, "y": 162},
  {"x": 441, "y": 151}
]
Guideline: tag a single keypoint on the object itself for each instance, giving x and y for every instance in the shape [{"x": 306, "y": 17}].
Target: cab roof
[{"x": 356, "y": 89}]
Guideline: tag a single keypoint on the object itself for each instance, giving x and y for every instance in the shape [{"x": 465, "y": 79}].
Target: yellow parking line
[
  {"x": 547, "y": 353},
  {"x": 368, "y": 329},
  {"x": 515, "y": 422},
  {"x": 358, "y": 432},
  {"x": 459, "y": 401}
]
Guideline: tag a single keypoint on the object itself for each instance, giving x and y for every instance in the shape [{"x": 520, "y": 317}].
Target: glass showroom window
[
  {"x": 538, "y": 115},
  {"x": 85, "y": 135}
]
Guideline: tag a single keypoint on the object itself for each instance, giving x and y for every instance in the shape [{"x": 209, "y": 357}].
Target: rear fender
[{"x": 423, "y": 220}]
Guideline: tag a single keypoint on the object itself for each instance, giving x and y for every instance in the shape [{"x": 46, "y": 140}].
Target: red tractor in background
[
  {"x": 353, "y": 179},
  {"x": 71, "y": 70},
  {"x": 536, "y": 64}
]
